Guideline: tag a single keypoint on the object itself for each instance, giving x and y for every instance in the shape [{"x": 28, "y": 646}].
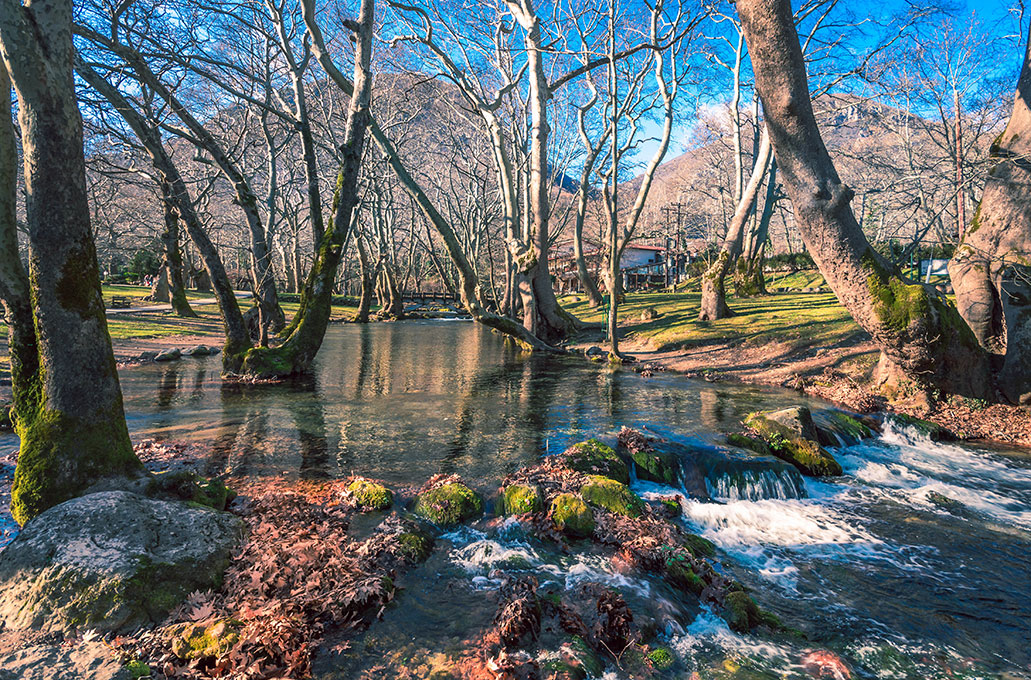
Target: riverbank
[{"x": 803, "y": 341}]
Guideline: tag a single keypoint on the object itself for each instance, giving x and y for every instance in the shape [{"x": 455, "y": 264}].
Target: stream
[{"x": 868, "y": 565}]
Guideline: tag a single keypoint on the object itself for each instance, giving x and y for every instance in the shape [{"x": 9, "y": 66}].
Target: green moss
[
  {"x": 681, "y": 574},
  {"x": 741, "y": 612},
  {"x": 699, "y": 547},
  {"x": 61, "y": 456},
  {"x": 595, "y": 458},
  {"x": 661, "y": 658},
  {"x": 584, "y": 657},
  {"x": 653, "y": 466},
  {"x": 671, "y": 505},
  {"x": 612, "y": 495},
  {"x": 449, "y": 504},
  {"x": 933, "y": 431},
  {"x": 137, "y": 669},
  {"x": 808, "y": 456},
  {"x": 518, "y": 499},
  {"x": 572, "y": 516},
  {"x": 897, "y": 304},
  {"x": 849, "y": 426},
  {"x": 191, "y": 641},
  {"x": 414, "y": 546},
  {"x": 268, "y": 363},
  {"x": 369, "y": 495},
  {"x": 749, "y": 443},
  {"x": 188, "y": 486}
]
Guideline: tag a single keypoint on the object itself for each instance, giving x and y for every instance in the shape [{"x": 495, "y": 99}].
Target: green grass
[
  {"x": 137, "y": 293},
  {"x": 806, "y": 278},
  {"x": 799, "y": 319}
]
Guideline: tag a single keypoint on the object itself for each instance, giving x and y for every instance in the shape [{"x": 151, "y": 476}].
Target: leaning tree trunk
[
  {"x": 924, "y": 342},
  {"x": 173, "y": 264},
  {"x": 714, "y": 291},
  {"x": 237, "y": 336},
  {"x": 749, "y": 279},
  {"x": 69, "y": 415},
  {"x": 991, "y": 270},
  {"x": 295, "y": 355},
  {"x": 368, "y": 281}
]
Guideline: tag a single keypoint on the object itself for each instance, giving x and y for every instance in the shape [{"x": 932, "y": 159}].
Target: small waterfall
[{"x": 756, "y": 485}]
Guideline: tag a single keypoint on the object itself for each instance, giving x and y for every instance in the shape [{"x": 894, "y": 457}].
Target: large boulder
[
  {"x": 110, "y": 561},
  {"x": 791, "y": 436}
]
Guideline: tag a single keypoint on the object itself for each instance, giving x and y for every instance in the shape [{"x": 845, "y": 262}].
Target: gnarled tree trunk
[
  {"x": 924, "y": 342},
  {"x": 991, "y": 270},
  {"x": 68, "y": 413}
]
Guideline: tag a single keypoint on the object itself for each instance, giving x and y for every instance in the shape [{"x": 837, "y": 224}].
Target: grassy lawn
[
  {"x": 137, "y": 293},
  {"x": 800, "y": 319}
]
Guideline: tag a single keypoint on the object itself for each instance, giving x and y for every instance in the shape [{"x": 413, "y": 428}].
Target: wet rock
[
  {"x": 837, "y": 428},
  {"x": 369, "y": 495},
  {"x": 448, "y": 505},
  {"x": 795, "y": 442},
  {"x": 932, "y": 431},
  {"x": 680, "y": 573},
  {"x": 571, "y": 515},
  {"x": 945, "y": 503},
  {"x": 594, "y": 351},
  {"x": 197, "y": 351},
  {"x": 415, "y": 546},
  {"x": 748, "y": 476},
  {"x": 662, "y": 658},
  {"x": 612, "y": 496},
  {"x": 518, "y": 499},
  {"x": 741, "y": 612},
  {"x": 188, "y": 486},
  {"x": 168, "y": 355},
  {"x": 110, "y": 561},
  {"x": 211, "y": 639},
  {"x": 147, "y": 356},
  {"x": 655, "y": 466},
  {"x": 825, "y": 665},
  {"x": 93, "y": 660},
  {"x": 592, "y": 457}
]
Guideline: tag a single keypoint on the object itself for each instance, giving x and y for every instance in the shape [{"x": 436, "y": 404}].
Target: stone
[
  {"x": 594, "y": 351},
  {"x": 655, "y": 466},
  {"x": 369, "y": 495},
  {"x": 147, "y": 356},
  {"x": 612, "y": 496},
  {"x": 92, "y": 660},
  {"x": 741, "y": 612},
  {"x": 572, "y": 516},
  {"x": 932, "y": 431},
  {"x": 518, "y": 499},
  {"x": 837, "y": 428},
  {"x": 796, "y": 442},
  {"x": 197, "y": 351},
  {"x": 168, "y": 355},
  {"x": 592, "y": 457},
  {"x": 112, "y": 561},
  {"x": 449, "y": 504},
  {"x": 210, "y": 639},
  {"x": 649, "y": 314}
]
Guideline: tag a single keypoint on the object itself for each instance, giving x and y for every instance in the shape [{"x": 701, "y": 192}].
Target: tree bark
[
  {"x": 173, "y": 264},
  {"x": 69, "y": 416},
  {"x": 991, "y": 270},
  {"x": 924, "y": 342}
]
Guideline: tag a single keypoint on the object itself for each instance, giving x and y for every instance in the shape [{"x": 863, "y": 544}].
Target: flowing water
[{"x": 868, "y": 565}]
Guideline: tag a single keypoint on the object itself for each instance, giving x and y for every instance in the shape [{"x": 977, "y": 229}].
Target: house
[{"x": 642, "y": 265}]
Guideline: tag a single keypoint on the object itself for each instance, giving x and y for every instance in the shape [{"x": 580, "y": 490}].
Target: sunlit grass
[{"x": 795, "y": 318}]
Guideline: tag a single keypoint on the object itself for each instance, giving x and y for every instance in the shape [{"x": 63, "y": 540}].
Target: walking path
[{"x": 240, "y": 295}]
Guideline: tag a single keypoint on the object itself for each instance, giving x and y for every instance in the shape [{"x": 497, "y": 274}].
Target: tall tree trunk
[
  {"x": 368, "y": 281},
  {"x": 237, "y": 336},
  {"x": 69, "y": 417},
  {"x": 924, "y": 342},
  {"x": 749, "y": 280},
  {"x": 173, "y": 256},
  {"x": 991, "y": 270},
  {"x": 714, "y": 292},
  {"x": 295, "y": 355}
]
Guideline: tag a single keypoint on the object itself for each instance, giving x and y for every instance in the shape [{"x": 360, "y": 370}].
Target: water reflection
[{"x": 403, "y": 401}]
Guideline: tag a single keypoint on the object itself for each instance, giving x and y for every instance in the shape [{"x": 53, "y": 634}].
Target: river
[{"x": 866, "y": 565}]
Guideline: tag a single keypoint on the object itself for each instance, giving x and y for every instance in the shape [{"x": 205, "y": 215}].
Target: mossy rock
[
  {"x": 583, "y": 657},
  {"x": 681, "y": 575},
  {"x": 805, "y": 454},
  {"x": 595, "y": 458},
  {"x": 189, "y": 486},
  {"x": 741, "y": 612},
  {"x": 210, "y": 640},
  {"x": 699, "y": 547},
  {"x": 753, "y": 444},
  {"x": 612, "y": 495},
  {"x": 572, "y": 516},
  {"x": 662, "y": 658},
  {"x": 838, "y": 428},
  {"x": 369, "y": 495},
  {"x": 137, "y": 669},
  {"x": 932, "y": 431},
  {"x": 519, "y": 499},
  {"x": 655, "y": 466},
  {"x": 415, "y": 546},
  {"x": 449, "y": 504}
]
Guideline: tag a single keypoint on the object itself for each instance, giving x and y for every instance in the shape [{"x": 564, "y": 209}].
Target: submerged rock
[
  {"x": 168, "y": 355},
  {"x": 369, "y": 495},
  {"x": 592, "y": 457},
  {"x": 932, "y": 431},
  {"x": 415, "y": 546},
  {"x": 795, "y": 442},
  {"x": 110, "y": 561},
  {"x": 612, "y": 495},
  {"x": 518, "y": 499},
  {"x": 571, "y": 515},
  {"x": 449, "y": 504},
  {"x": 655, "y": 466},
  {"x": 741, "y": 612},
  {"x": 837, "y": 428}
]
